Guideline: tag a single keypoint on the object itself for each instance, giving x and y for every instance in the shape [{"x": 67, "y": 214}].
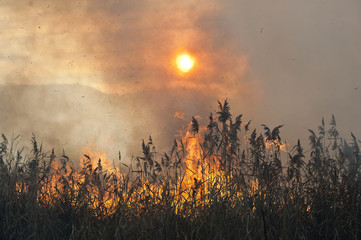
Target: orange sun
[{"x": 185, "y": 62}]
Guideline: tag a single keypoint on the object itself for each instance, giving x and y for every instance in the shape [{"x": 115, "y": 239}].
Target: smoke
[
  {"x": 125, "y": 50},
  {"x": 306, "y": 55},
  {"x": 79, "y": 72},
  {"x": 118, "y": 46}
]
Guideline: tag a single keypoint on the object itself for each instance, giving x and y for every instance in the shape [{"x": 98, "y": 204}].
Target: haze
[{"x": 100, "y": 73}]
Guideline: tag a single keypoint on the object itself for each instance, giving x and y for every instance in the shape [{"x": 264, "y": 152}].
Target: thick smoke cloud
[
  {"x": 306, "y": 55},
  {"x": 78, "y": 72},
  {"x": 118, "y": 46},
  {"x": 126, "y": 50}
]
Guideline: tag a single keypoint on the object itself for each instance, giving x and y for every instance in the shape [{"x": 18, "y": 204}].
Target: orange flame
[
  {"x": 179, "y": 115},
  {"x": 93, "y": 185},
  {"x": 95, "y": 156},
  {"x": 100, "y": 186},
  {"x": 282, "y": 146}
]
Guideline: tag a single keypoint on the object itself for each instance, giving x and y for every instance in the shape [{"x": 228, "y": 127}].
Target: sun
[{"x": 185, "y": 62}]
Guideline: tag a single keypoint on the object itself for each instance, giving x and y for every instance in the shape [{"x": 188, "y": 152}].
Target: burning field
[
  {"x": 122, "y": 119},
  {"x": 220, "y": 181}
]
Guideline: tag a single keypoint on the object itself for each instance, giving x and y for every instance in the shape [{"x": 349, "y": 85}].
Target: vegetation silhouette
[{"x": 220, "y": 181}]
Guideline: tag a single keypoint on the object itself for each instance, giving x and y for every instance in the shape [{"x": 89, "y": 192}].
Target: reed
[{"x": 220, "y": 181}]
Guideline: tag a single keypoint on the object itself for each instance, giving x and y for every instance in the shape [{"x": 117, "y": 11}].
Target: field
[{"x": 220, "y": 181}]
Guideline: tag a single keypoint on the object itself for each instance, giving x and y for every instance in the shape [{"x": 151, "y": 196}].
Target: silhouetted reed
[{"x": 221, "y": 181}]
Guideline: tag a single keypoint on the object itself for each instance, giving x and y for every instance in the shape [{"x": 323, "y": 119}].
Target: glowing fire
[
  {"x": 185, "y": 62},
  {"x": 96, "y": 181},
  {"x": 99, "y": 185},
  {"x": 94, "y": 184},
  {"x": 202, "y": 174},
  {"x": 277, "y": 144},
  {"x": 95, "y": 156}
]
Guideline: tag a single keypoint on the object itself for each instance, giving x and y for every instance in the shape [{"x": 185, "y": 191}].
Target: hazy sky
[{"x": 83, "y": 72}]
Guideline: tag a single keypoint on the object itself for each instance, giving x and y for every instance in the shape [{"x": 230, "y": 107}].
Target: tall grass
[{"x": 221, "y": 181}]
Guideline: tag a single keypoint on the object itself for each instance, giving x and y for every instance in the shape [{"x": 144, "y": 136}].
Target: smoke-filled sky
[{"x": 102, "y": 73}]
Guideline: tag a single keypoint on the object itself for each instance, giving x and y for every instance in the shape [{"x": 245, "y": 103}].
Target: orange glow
[
  {"x": 185, "y": 62},
  {"x": 202, "y": 173},
  {"x": 179, "y": 115},
  {"x": 65, "y": 180},
  {"x": 277, "y": 144},
  {"x": 95, "y": 156},
  {"x": 99, "y": 185}
]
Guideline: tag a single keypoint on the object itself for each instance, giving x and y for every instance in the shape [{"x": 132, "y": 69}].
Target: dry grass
[{"x": 210, "y": 185}]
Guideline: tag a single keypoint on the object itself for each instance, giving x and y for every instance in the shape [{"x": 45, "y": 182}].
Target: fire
[
  {"x": 99, "y": 185},
  {"x": 277, "y": 144},
  {"x": 95, "y": 156},
  {"x": 202, "y": 174},
  {"x": 193, "y": 163},
  {"x": 93, "y": 184},
  {"x": 185, "y": 62},
  {"x": 179, "y": 115}
]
